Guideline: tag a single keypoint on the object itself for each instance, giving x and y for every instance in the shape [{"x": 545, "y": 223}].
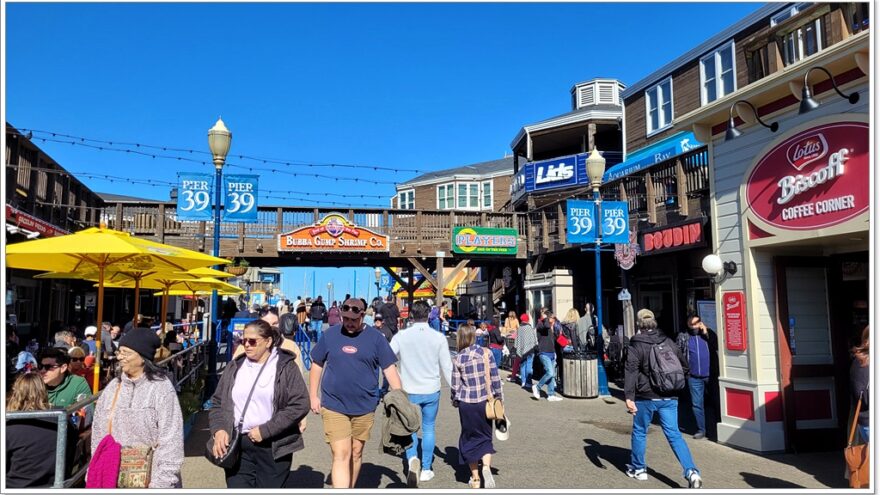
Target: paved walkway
[{"x": 576, "y": 443}]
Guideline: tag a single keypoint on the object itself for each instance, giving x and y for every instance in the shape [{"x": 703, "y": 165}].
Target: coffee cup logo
[{"x": 807, "y": 150}]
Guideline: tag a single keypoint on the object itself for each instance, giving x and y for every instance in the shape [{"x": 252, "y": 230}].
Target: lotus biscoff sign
[{"x": 484, "y": 240}]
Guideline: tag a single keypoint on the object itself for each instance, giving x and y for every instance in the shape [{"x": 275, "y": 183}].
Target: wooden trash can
[{"x": 580, "y": 370}]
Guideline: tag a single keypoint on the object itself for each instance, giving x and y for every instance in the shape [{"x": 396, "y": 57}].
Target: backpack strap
[
  {"x": 855, "y": 421},
  {"x": 488, "y": 376},
  {"x": 113, "y": 408}
]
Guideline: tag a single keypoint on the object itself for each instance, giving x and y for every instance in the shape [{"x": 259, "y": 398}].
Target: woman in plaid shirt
[{"x": 469, "y": 395}]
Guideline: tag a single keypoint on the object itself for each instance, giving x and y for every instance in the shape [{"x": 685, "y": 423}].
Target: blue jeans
[
  {"x": 435, "y": 324},
  {"x": 864, "y": 432},
  {"x": 549, "y": 378},
  {"x": 698, "y": 392},
  {"x": 317, "y": 327},
  {"x": 429, "y": 403},
  {"x": 497, "y": 354},
  {"x": 668, "y": 410},
  {"x": 525, "y": 371}
]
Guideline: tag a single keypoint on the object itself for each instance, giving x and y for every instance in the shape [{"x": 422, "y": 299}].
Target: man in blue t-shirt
[{"x": 345, "y": 365}]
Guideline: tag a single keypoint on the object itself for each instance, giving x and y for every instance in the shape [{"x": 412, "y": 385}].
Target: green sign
[{"x": 484, "y": 240}]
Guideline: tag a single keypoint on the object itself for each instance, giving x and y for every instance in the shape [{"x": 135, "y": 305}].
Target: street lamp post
[
  {"x": 596, "y": 169},
  {"x": 378, "y": 274},
  {"x": 330, "y": 293},
  {"x": 219, "y": 140}
]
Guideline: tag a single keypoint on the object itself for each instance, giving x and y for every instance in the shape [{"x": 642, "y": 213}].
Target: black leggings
[{"x": 257, "y": 468}]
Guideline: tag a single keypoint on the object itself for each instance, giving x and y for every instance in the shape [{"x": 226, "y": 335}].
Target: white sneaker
[
  {"x": 554, "y": 398},
  {"x": 427, "y": 475},
  {"x": 488, "y": 479},
  {"x": 694, "y": 480},
  {"x": 536, "y": 393},
  {"x": 412, "y": 477},
  {"x": 639, "y": 474}
]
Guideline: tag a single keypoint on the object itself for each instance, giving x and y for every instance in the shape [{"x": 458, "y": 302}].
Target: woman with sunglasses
[
  {"x": 77, "y": 365},
  {"x": 279, "y": 400},
  {"x": 144, "y": 410}
]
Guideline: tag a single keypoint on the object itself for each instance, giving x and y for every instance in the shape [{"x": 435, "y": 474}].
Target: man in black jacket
[
  {"x": 390, "y": 314},
  {"x": 317, "y": 313},
  {"x": 643, "y": 400}
]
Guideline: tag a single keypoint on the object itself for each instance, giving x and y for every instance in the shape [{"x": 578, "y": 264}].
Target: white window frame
[
  {"x": 719, "y": 85},
  {"x": 487, "y": 184},
  {"x": 445, "y": 187},
  {"x": 786, "y": 14},
  {"x": 467, "y": 185},
  {"x": 406, "y": 200},
  {"x": 656, "y": 89},
  {"x": 798, "y": 36}
]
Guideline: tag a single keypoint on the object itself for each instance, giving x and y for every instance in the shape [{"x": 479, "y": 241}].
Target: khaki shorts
[{"x": 338, "y": 426}]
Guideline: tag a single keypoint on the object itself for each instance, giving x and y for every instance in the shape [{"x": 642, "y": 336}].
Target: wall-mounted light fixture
[
  {"x": 807, "y": 102},
  {"x": 722, "y": 270},
  {"x": 733, "y": 132}
]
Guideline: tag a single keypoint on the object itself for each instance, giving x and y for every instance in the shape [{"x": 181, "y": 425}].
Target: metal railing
[{"x": 183, "y": 366}]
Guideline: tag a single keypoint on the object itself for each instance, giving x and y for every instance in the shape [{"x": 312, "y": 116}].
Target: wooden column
[
  {"x": 544, "y": 228},
  {"x": 160, "y": 223},
  {"x": 438, "y": 293},
  {"x": 591, "y": 136},
  {"x": 560, "y": 220},
  {"x": 651, "y": 198},
  {"x": 279, "y": 221},
  {"x": 682, "y": 188}
]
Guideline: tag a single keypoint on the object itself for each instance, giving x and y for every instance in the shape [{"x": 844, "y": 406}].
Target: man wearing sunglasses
[
  {"x": 63, "y": 387},
  {"x": 345, "y": 366}
]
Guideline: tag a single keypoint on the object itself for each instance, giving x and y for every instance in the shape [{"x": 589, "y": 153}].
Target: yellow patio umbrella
[
  {"x": 208, "y": 272},
  {"x": 102, "y": 248}
]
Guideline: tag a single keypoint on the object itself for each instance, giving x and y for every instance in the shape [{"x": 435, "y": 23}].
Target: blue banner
[
  {"x": 240, "y": 198},
  {"x": 194, "y": 197},
  {"x": 652, "y": 155},
  {"x": 581, "y": 222},
  {"x": 615, "y": 222}
]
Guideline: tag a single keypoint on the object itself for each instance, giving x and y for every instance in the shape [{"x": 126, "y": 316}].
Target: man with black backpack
[{"x": 655, "y": 374}]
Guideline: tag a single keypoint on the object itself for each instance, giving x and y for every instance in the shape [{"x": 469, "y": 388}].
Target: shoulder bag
[
  {"x": 858, "y": 460},
  {"x": 494, "y": 406},
  {"x": 135, "y": 461},
  {"x": 233, "y": 452}
]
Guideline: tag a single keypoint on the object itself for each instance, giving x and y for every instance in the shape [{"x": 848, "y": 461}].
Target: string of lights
[{"x": 290, "y": 163}]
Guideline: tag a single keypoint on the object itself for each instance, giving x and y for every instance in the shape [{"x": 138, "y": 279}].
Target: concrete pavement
[{"x": 575, "y": 443}]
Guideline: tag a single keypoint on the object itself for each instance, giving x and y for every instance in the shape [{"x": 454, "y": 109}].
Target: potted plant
[{"x": 238, "y": 267}]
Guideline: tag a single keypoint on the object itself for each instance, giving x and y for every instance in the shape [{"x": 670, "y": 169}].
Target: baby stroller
[{"x": 616, "y": 356}]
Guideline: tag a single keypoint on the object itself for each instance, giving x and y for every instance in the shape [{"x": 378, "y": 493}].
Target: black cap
[{"x": 143, "y": 341}]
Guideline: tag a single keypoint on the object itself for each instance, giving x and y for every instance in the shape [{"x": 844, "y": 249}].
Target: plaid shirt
[{"x": 469, "y": 376}]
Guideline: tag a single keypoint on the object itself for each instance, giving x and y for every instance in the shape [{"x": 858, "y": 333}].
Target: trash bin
[{"x": 581, "y": 374}]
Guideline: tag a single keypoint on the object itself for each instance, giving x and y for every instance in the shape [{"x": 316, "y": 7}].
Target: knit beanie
[{"x": 141, "y": 340}]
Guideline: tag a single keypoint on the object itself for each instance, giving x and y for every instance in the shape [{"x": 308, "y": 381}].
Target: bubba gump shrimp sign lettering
[{"x": 333, "y": 233}]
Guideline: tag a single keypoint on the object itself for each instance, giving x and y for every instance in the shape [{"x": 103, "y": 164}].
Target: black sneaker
[{"x": 699, "y": 435}]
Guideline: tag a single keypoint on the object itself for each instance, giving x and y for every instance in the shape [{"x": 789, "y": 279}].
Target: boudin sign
[
  {"x": 333, "y": 233},
  {"x": 815, "y": 179}
]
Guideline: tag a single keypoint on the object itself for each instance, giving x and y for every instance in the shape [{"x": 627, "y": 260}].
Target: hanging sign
[
  {"x": 240, "y": 198},
  {"x": 581, "y": 221},
  {"x": 684, "y": 236},
  {"x": 194, "y": 197},
  {"x": 735, "y": 327},
  {"x": 333, "y": 233},
  {"x": 625, "y": 253},
  {"x": 815, "y": 179},
  {"x": 484, "y": 240}
]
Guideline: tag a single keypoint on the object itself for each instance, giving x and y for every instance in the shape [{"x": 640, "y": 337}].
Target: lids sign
[{"x": 815, "y": 179}]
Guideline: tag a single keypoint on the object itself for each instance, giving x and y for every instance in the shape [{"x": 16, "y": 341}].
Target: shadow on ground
[
  {"x": 758, "y": 481},
  {"x": 618, "y": 457}
]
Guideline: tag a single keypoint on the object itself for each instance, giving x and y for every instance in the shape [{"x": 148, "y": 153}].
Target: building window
[
  {"x": 802, "y": 42},
  {"x": 791, "y": 12},
  {"x": 487, "y": 195},
  {"x": 658, "y": 103},
  {"x": 468, "y": 195},
  {"x": 718, "y": 73},
  {"x": 446, "y": 197},
  {"x": 406, "y": 200}
]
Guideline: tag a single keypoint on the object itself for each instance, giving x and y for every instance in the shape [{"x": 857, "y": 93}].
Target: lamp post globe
[
  {"x": 219, "y": 142},
  {"x": 595, "y": 169},
  {"x": 712, "y": 264}
]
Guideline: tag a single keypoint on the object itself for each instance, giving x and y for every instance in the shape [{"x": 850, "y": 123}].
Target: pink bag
[{"x": 104, "y": 466}]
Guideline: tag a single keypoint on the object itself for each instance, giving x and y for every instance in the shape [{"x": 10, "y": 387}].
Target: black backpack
[
  {"x": 664, "y": 368},
  {"x": 288, "y": 324}
]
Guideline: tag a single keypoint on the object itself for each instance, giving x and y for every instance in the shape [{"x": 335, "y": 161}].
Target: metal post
[
  {"x": 211, "y": 332},
  {"x": 600, "y": 347}
]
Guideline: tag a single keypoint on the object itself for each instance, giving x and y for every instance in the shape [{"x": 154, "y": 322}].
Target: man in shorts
[{"x": 345, "y": 368}]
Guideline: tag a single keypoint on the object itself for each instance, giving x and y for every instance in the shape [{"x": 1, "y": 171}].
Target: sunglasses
[
  {"x": 352, "y": 309},
  {"x": 47, "y": 367},
  {"x": 77, "y": 359},
  {"x": 250, "y": 342}
]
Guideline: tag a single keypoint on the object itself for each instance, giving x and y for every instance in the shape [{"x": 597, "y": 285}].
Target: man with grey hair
[
  {"x": 64, "y": 339},
  {"x": 648, "y": 349}
]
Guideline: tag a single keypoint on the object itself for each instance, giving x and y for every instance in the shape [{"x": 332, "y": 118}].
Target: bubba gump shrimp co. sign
[
  {"x": 333, "y": 233},
  {"x": 815, "y": 179}
]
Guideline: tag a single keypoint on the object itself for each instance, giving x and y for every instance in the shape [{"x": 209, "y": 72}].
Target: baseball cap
[
  {"x": 378, "y": 316},
  {"x": 91, "y": 330},
  {"x": 645, "y": 314},
  {"x": 524, "y": 318},
  {"x": 353, "y": 302}
]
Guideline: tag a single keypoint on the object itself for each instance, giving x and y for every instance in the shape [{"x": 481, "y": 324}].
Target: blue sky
[{"x": 402, "y": 86}]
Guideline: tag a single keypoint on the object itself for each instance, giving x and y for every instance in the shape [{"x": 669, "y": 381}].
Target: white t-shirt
[{"x": 423, "y": 355}]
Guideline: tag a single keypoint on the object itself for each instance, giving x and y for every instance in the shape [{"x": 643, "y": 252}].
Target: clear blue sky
[{"x": 405, "y": 86}]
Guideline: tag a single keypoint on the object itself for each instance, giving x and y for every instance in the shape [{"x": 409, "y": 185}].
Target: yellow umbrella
[
  {"x": 208, "y": 272},
  {"x": 102, "y": 248},
  {"x": 182, "y": 292}
]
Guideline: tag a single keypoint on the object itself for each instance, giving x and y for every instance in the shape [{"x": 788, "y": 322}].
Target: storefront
[{"x": 791, "y": 209}]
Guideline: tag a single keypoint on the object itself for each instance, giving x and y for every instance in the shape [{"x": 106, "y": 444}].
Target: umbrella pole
[
  {"x": 96, "y": 383},
  {"x": 137, "y": 300},
  {"x": 164, "y": 308}
]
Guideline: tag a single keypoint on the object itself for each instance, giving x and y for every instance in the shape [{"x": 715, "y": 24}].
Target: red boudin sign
[
  {"x": 32, "y": 223},
  {"x": 815, "y": 179},
  {"x": 673, "y": 238},
  {"x": 735, "y": 328}
]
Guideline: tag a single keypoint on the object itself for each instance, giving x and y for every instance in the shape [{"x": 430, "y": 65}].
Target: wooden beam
[
  {"x": 651, "y": 198},
  {"x": 119, "y": 218},
  {"x": 241, "y": 235},
  {"x": 425, "y": 273},
  {"x": 681, "y": 178},
  {"x": 591, "y": 136},
  {"x": 458, "y": 268},
  {"x": 279, "y": 221},
  {"x": 440, "y": 283},
  {"x": 160, "y": 224},
  {"x": 560, "y": 219}
]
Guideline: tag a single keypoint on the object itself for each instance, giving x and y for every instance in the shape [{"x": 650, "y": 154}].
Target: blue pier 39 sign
[
  {"x": 582, "y": 223},
  {"x": 240, "y": 198},
  {"x": 194, "y": 197}
]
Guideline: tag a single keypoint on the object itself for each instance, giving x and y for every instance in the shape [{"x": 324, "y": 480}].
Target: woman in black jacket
[
  {"x": 270, "y": 427},
  {"x": 859, "y": 377}
]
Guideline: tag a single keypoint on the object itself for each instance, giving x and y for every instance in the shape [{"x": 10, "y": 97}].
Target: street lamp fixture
[
  {"x": 219, "y": 142},
  {"x": 808, "y": 104},
  {"x": 596, "y": 170},
  {"x": 378, "y": 273},
  {"x": 722, "y": 270},
  {"x": 329, "y": 292}
]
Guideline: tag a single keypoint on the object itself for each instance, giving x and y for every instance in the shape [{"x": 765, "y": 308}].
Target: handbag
[
  {"x": 858, "y": 461},
  {"x": 233, "y": 451},
  {"x": 104, "y": 466},
  {"x": 494, "y": 407},
  {"x": 562, "y": 339}
]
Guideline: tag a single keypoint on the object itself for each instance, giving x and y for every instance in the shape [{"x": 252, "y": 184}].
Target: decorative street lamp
[
  {"x": 596, "y": 169},
  {"x": 329, "y": 292},
  {"x": 219, "y": 141},
  {"x": 378, "y": 274}
]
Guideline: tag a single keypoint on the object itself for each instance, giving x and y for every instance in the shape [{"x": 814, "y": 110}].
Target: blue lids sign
[
  {"x": 194, "y": 197},
  {"x": 559, "y": 172},
  {"x": 583, "y": 225},
  {"x": 240, "y": 201}
]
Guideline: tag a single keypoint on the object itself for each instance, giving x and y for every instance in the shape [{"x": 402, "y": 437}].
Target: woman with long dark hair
[
  {"x": 859, "y": 378},
  {"x": 469, "y": 395},
  {"x": 142, "y": 409},
  {"x": 269, "y": 416}
]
